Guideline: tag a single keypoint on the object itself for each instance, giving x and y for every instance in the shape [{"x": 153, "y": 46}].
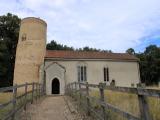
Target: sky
[{"x": 103, "y": 24}]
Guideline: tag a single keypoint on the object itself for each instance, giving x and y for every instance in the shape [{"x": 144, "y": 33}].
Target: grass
[
  {"x": 124, "y": 101},
  {"x": 4, "y": 97},
  {"x": 7, "y": 96},
  {"x": 128, "y": 102}
]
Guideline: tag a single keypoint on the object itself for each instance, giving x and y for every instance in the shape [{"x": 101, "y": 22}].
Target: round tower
[{"x": 31, "y": 50}]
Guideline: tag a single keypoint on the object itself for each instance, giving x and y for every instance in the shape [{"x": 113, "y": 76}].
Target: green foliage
[
  {"x": 149, "y": 64},
  {"x": 88, "y": 49},
  {"x": 9, "y": 29},
  {"x": 53, "y": 45},
  {"x": 130, "y": 51},
  {"x": 93, "y": 49}
]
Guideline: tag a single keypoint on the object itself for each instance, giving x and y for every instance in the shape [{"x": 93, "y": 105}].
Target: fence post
[
  {"x": 88, "y": 102},
  {"x": 80, "y": 96},
  {"x": 32, "y": 92},
  {"x": 72, "y": 90},
  {"x": 42, "y": 93},
  {"x": 66, "y": 91},
  {"x": 75, "y": 91},
  {"x": 36, "y": 91},
  {"x": 39, "y": 90},
  {"x": 101, "y": 89},
  {"x": 143, "y": 106},
  {"x": 70, "y": 87},
  {"x": 26, "y": 85},
  {"x": 75, "y": 86},
  {"x": 14, "y": 100}
]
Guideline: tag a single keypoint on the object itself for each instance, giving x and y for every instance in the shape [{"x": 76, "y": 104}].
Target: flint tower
[{"x": 31, "y": 49}]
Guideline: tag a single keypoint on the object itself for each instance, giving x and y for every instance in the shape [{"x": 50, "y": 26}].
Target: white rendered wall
[{"x": 124, "y": 73}]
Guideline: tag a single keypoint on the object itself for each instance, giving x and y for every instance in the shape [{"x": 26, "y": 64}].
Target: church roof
[{"x": 61, "y": 54}]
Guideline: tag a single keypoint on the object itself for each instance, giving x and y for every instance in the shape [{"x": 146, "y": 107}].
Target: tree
[
  {"x": 4, "y": 65},
  {"x": 9, "y": 31},
  {"x": 87, "y": 48},
  {"x": 150, "y": 65},
  {"x": 53, "y": 45},
  {"x": 153, "y": 51},
  {"x": 130, "y": 51},
  {"x": 152, "y": 54}
]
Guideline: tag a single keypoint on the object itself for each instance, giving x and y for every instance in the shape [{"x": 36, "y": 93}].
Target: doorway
[{"x": 55, "y": 86}]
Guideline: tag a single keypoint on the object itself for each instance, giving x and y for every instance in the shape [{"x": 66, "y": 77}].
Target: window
[
  {"x": 106, "y": 74},
  {"x": 23, "y": 37},
  {"x": 82, "y": 73}
]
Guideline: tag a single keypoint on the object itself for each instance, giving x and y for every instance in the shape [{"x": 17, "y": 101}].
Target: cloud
[{"x": 106, "y": 24}]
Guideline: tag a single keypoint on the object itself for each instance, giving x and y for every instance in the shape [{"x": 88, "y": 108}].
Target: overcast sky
[{"x": 106, "y": 24}]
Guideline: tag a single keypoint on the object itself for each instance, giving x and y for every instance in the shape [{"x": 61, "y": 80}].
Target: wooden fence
[
  {"x": 31, "y": 91},
  {"x": 82, "y": 90}
]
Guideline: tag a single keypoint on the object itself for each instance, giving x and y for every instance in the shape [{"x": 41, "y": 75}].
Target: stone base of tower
[{"x": 26, "y": 73}]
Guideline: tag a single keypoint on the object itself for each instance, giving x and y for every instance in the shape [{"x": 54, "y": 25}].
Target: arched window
[
  {"x": 82, "y": 73},
  {"x": 106, "y": 73}
]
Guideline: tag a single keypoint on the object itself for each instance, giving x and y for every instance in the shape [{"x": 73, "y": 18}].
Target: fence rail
[
  {"x": 31, "y": 90},
  {"x": 83, "y": 90}
]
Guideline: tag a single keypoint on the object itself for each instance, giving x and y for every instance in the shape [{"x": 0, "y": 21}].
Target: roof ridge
[{"x": 84, "y": 51}]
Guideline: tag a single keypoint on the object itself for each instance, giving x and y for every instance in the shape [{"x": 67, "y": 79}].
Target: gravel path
[{"x": 51, "y": 108}]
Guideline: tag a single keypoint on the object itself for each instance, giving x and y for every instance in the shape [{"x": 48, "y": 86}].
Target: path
[{"x": 51, "y": 108}]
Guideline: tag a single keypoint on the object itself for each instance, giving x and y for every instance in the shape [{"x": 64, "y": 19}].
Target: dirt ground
[{"x": 51, "y": 108}]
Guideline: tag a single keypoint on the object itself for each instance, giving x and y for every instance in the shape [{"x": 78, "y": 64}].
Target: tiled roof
[{"x": 61, "y": 54}]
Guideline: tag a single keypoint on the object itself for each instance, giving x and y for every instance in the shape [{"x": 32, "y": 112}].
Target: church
[{"x": 56, "y": 68}]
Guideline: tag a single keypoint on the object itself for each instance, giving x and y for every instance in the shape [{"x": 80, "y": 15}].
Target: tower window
[{"x": 24, "y": 37}]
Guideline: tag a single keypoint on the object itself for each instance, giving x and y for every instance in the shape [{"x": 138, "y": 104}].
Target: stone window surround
[{"x": 82, "y": 71}]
